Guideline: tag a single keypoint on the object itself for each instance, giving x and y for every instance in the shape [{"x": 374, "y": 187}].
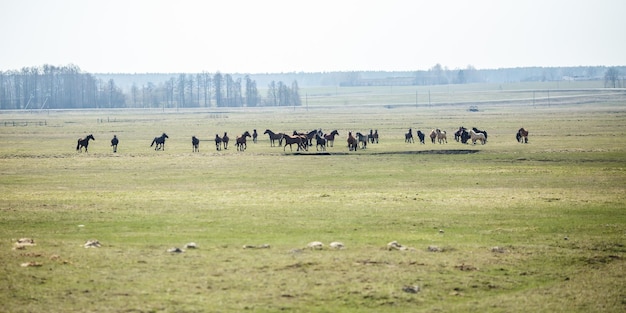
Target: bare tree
[{"x": 611, "y": 78}]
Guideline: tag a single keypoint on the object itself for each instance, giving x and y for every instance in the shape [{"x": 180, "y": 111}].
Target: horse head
[
  {"x": 165, "y": 135},
  {"x": 91, "y": 137}
]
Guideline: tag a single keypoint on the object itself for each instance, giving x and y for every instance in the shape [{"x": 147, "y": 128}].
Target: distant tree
[
  {"x": 217, "y": 84},
  {"x": 272, "y": 94},
  {"x": 295, "y": 94},
  {"x": 252, "y": 94},
  {"x": 182, "y": 82},
  {"x": 134, "y": 92},
  {"x": 611, "y": 78}
]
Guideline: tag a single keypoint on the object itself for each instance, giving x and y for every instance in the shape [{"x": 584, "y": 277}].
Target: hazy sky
[{"x": 259, "y": 36}]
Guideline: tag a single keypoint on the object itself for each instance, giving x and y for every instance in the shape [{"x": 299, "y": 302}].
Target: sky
[{"x": 280, "y": 36}]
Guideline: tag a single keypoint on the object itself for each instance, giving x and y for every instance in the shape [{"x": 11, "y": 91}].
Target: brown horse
[
  {"x": 353, "y": 144},
  {"x": 330, "y": 138},
  {"x": 225, "y": 140},
  {"x": 433, "y": 135},
  {"x": 290, "y": 140},
  {"x": 320, "y": 142},
  {"x": 441, "y": 136},
  {"x": 84, "y": 142},
  {"x": 274, "y": 137},
  {"x": 408, "y": 137},
  {"x": 240, "y": 141},
  {"x": 522, "y": 135}
]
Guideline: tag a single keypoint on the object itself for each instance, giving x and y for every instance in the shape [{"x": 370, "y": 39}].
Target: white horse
[{"x": 477, "y": 136}]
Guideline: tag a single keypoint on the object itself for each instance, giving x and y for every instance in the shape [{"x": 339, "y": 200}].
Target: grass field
[{"x": 554, "y": 208}]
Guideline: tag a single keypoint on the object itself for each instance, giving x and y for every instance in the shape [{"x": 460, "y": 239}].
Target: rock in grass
[
  {"x": 92, "y": 243},
  {"x": 315, "y": 245},
  {"x": 497, "y": 249},
  {"x": 191, "y": 245},
  {"x": 411, "y": 289},
  {"x": 394, "y": 245},
  {"x": 175, "y": 250},
  {"x": 263, "y": 246},
  {"x": 337, "y": 245},
  {"x": 434, "y": 249}
]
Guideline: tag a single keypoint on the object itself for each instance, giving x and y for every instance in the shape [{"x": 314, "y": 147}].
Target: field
[{"x": 500, "y": 227}]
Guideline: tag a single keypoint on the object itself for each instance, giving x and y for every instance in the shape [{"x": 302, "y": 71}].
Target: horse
[
  {"x": 421, "y": 136},
  {"x": 522, "y": 135},
  {"x": 408, "y": 137},
  {"x": 160, "y": 142},
  {"x": 433, "y": 135},
  {"x": 84, "y": 142},
  {"x": 458, "y": 133},
  {"x": 225, "y": 140},
  {"x": 362, "y": 140},
  {"x": 195, "y": 142},
  {"x": 218, "y": 142},
  {"x": 441, "y": 136},
  {"x": 290, "y": 140},
  {"x": 254, "y": 135},
  {"x": 373, "y": 136},
  {"x": 274, "y": 137},
  {"x": 320, "y": 142},
  {"x": 114, "y": 143},
  {"x": 465, "y": 136},
  {"x": 352, "y": 142},
  {"x": 484, "y": 132},
  {"x": 330, "y": 138},
  {"x": 477, "y": 136},
  {"x": 308, "y": 136},
  {"x": 240, "y": 141}
]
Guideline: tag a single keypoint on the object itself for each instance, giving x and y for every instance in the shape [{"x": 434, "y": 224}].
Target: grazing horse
[
  {"x": 254, "y": 135},
  {"x": 484, "y": 132},
  {"x": 433, "y": 135},
  {"x": 274, "y": 137},
  {"x": 477, "y": 136},
  {"x": 408, "y": 137},
  {"x": 225, "y": 140},
  {"x": 290, "y": 140},
  {"x": 195, "y": 142},
  {"x": 362, "y": 140},
  {"x": 352, "y": 142},
  {"x": 218, "y": 142},
  {"x": 441, "y": 136},
  {"x": 160, "y": 142},
  {"x": 330, "y": 138},
  {"x": 320, "y": 142},
  {"x": 114, "y": 143},
  {"x": 421, "y": 136},
  {"x": 240, "y": 141},
  {"x": 522, "y": 135},
  {"x": 83, "y": 142}
]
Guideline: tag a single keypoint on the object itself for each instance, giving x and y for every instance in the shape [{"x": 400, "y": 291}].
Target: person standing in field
[{"x": 114, "y": 143}]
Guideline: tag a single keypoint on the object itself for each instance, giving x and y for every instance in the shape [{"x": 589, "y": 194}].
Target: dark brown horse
[
  {"x": 353, "y": 144},
  {"x": 225, "y": 140},
  {"x": 84, "y": 142},
  {"x": 373, "y": 136},
  {"x": 195, "y": 143},
  {"x": 218, "y": 142},
  {"x": 330, "y": 138},
  {"x": 522, "y": 135},
  {"x": 114, "y": 143},
  {"x": 274, "y": 137},
  {"x": 240, "y": 141},
  {"x": 320, "y": 142},
  {"x": 254, "y": 135},
  {"x": 408, "y": 137},
  {"x": 160, "y": 142}
]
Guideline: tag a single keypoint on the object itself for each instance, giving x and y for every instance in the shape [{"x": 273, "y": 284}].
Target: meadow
[{"x": 500, "y": 227}]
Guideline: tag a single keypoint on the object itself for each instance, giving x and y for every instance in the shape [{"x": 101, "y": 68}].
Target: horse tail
[
  {"x": 78, "y": 144},
  {"x": 153, "y": 141}
]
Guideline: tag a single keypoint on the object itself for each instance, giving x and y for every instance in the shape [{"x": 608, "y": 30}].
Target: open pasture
[{"x": 537, "y": 227}]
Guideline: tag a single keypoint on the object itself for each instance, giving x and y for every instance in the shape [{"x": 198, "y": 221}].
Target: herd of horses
[{"x": 304, "y": 140}]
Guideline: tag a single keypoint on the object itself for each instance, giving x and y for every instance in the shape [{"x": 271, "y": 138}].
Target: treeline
[
  {"x": 67, "y": 87},
  {"x": 55, "y": 87}
]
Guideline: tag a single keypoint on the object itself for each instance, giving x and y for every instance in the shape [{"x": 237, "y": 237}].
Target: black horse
[
  {"x": 84, "y": 142},
  {"x": 421, "y": 136},
  {"x": 195, "y": 143},
  {"x": 254, "y": 135},
  {"x": 218, "y": 142},
  {"x": 408, "y": 137},
  {"x": 114, "y": 143},
  {"x": 160, "y": 142}
]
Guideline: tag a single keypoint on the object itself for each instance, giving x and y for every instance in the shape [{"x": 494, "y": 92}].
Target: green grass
[{"x": 569, "y": 181}]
